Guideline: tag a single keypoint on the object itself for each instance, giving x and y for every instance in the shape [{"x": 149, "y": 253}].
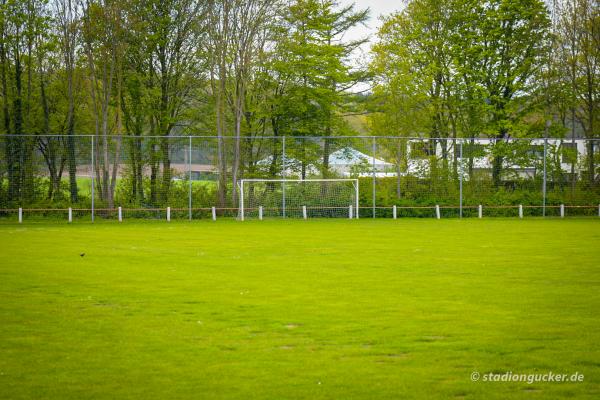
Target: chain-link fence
[{"x": 195, "y": 177}]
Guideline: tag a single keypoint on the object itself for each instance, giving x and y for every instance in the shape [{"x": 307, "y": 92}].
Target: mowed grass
[{"x": 367, "y": 309}]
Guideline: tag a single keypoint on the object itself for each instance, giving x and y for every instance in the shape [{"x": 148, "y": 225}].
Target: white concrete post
[
  {"x": 350, "y": 212},
  {"x": 120, "y": 214},
  {"x": 562, "y": 210},
  {"x": 394, "y": 212},
  {"x": 20, "y": 215},
  {"x": 168, "y": 214},
  {"x": 480, "y": 211},
  {"x": 520, "y": 210},
  {"x": 260, "y": 212},
  {"x": 304, "y": 212},
  {"x": 70, "y": 215},
  {"x": 437, "y": 211},
  {"x": 214, "y": 213}
]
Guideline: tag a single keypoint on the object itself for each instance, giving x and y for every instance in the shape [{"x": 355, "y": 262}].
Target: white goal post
[{"x": 298, "y": 198}]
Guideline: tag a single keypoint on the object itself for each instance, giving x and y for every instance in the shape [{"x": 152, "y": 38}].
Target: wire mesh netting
[
  {"x": 295, "y": 198},
  {"x": 142, "y": 176}
]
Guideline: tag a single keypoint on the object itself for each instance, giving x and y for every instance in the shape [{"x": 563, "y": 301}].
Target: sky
[{"x": 378, "y": 8}]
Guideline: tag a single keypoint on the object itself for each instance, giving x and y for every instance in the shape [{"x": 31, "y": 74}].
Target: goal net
[{"x": 292, "y": 198}]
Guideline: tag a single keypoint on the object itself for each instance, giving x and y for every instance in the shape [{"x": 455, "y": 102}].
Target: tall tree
[
  {"x": 313, "y": 70},
  {"x": 578, "y": 37},
  {"x": 236, "y": 35},
  {"x": 102, "y": 30},
  {"x": 67, "y": 18},
  {"x": 217, "y": 50},
  {"x": 416, "y": 44},
  {"x": 247, "y": 38},
  {"x": 509, "y": 55},
  {"x": 472, "y": 61},
  {"x": 176, "y": 29},
  {"x": 23, "y": 23}
]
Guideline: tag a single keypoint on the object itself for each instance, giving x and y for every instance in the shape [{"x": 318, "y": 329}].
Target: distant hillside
[{"x": 358, "y": 123}]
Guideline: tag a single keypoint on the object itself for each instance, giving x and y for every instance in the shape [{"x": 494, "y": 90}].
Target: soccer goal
[{"x": 297, "y": 198}]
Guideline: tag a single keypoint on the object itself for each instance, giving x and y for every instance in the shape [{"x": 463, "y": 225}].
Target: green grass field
[{"x": 367, "y": 309}]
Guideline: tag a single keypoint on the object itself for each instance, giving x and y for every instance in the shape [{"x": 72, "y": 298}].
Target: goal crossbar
[{"x": 353, "y": 204}]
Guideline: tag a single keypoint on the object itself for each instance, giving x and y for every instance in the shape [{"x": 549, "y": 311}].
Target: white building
[{"x": 524, "y": 158}]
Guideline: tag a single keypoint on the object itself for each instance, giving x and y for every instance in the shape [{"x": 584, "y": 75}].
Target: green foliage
[
  {"x": 456, "y": 68},
  {"x": 311, "y": 64},
  {"x": 136, "y": 68}
]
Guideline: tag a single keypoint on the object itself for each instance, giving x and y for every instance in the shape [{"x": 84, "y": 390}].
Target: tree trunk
[
  {"x": 72, "y": 163},
  {"x": 238, "y": 134},
  {"x": 153, "y": 173},
  {"x": 18, "y": 123},
  {"x": 11, "y": 142},
  {"x": 591, "y": 163},
  {"x": 166, "y": 162},
  {"x": 275, "y": 153},
  {"x": 326, "y": 153},
  {"x": 221, "y": 162}
]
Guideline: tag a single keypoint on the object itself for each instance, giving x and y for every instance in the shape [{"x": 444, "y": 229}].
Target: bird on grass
[{"x": 82, "y": 254}]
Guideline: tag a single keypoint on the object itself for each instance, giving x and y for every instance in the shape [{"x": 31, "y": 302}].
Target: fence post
[
  {"x": 70, "y": 215},
  {"x": 356, "y": 196},
  {"x": 544, "y": 179},
  {"x": 93, "y": 174},
  {"x": 374, "y": 180},
  {"x": 437, "y": 211},
  {"x": 120, "y": 214},
  {"x": 460, "y": 180},
  {"x": 168, "y": 214},
  {"x": 480, "y": 211},
  {"x": 214, "y": 213},
  {"x": 241, "y": 210},
  {"x": 260, "y": 212},
  {"x": 304, "y": 212},
  {"x": 520, "y": 210},
  {"x": 190, "y": 178},
  {"x": 599, "y": 210},
  {"x": 350, "y": 212},
  {"x": 394, "y": 212},
  {"x": 562, "y": 210},
  {"x": 20, "y": 215}
]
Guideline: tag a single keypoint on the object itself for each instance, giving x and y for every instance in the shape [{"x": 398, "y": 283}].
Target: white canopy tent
[
  {"x": 349, "y": 160},
  {"x": 346, "y": 162}
]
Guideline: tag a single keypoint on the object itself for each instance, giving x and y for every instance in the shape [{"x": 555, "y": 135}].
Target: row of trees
[
  {"x": 497, "y": 68},
  {"x": 245, "y": 68},
  {"x": 255, "y": 68}
]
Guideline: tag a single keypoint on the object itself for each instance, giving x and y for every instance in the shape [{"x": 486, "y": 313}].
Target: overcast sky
[{"x": 378, "y": 8}]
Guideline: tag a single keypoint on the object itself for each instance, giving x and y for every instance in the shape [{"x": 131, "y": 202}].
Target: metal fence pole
[
  {"x": 93, "y": 173},
  {"x": 283, "y": 173},
  {"x": 374, "y": 180},
  {"x": 241, "y": 212},
  {"x": 190, "y": 178},
  {"x": 544, "y": 179},
  {"x": 460, "y": 180}
]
